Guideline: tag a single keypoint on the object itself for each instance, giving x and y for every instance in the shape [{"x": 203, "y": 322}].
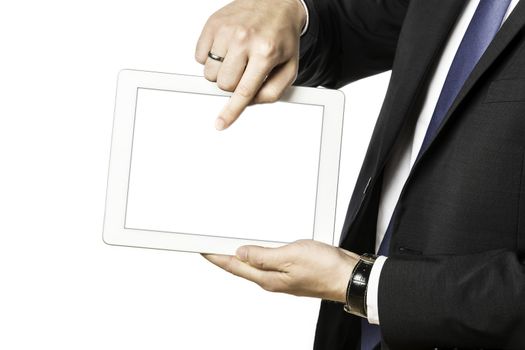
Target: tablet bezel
[{"x": 129, "y": 81}]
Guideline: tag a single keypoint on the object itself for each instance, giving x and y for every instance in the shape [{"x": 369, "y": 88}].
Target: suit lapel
[
  {"x": 425, "y": 31},
  {"x": 508, "y": 31},
  {"x": 514, "y": 24}
]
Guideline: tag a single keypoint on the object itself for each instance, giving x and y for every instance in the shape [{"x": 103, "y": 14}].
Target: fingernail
[
  {"x": 220, "y": 124},
  {"x": 241, "y": 253}
]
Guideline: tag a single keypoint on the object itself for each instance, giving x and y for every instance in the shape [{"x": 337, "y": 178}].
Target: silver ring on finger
[{"x": 215, "y": 57}]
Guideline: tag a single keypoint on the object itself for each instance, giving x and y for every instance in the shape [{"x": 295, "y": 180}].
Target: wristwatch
[{"x": 357, "y": 286}]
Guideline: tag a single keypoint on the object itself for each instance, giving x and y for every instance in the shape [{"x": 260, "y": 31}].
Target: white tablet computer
[{"x": 177, "y": 183}]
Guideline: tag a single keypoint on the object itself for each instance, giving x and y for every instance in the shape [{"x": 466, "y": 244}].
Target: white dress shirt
[{"x": 409, "y": 144}]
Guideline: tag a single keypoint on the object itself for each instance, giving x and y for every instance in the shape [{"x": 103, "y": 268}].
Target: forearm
[
  {"x": 468, "y": 301},
  {"x": 348, "y": 40}
]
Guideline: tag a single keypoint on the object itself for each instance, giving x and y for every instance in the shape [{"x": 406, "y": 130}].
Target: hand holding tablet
[{"x": 177, "y": 183}]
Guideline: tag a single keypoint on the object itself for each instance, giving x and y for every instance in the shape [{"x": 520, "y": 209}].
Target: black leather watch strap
[{"x": 357, "y": 286}]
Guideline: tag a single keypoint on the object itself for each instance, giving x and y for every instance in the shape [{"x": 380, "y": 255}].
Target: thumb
[{"x": 261, "y": 258}]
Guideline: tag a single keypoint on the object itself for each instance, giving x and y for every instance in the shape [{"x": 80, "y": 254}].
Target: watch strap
[{"x": 357, "y": 286}]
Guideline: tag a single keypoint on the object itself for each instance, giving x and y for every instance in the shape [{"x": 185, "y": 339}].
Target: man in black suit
[{"x": 448, "y": 148}]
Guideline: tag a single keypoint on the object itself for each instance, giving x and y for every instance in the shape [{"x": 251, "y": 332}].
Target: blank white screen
[{"x": 256, "y": 180}]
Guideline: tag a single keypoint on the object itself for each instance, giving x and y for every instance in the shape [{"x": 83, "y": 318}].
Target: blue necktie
[{"x": 482, "y": 29}]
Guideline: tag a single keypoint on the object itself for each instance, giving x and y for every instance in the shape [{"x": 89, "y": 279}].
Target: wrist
[
  {"x": 300, "y": 14},
  {"x": 339, "y": 282},
  {"x": 356, "y": 292}
]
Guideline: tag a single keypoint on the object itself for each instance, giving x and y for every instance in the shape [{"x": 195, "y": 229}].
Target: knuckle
[
  {"x": 242, "y": 34},
  {"x": 225, "y": 85},
  {"x": 226, "y": 30},
  {"x": 268, "y": 48},
  {"x": 255, "y": 260},
  {"x": 271, "y": 95},
  {"x": 260, "y": 263},
  {"x": 212, "y": 21},
  {"x": 303, "y": 242},
  {"x": 243, "y": 91},
  {"x": 301, "y": 245}
]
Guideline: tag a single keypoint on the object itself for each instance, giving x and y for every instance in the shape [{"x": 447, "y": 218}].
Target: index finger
[{"x": 250, "y": 83}]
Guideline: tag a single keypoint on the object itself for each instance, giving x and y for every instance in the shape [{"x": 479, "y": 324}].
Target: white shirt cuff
[
  {"x": 305, "y": 28},
  {"x": 373, "y": 289}
]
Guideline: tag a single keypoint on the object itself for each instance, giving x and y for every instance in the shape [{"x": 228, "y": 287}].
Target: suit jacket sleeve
[
  {"x": 348, "y": 40},
  {"x": 468, "y": 301}
]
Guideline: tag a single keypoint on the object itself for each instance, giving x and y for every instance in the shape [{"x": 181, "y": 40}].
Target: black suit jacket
[{"x": 455, "y": 276}]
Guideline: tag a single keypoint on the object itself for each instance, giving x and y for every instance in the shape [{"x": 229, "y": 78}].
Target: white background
[{"x": 60, "y": 286}]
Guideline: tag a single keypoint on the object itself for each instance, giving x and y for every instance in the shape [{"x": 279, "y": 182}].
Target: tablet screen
[{"x": 256, "y": 180}]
